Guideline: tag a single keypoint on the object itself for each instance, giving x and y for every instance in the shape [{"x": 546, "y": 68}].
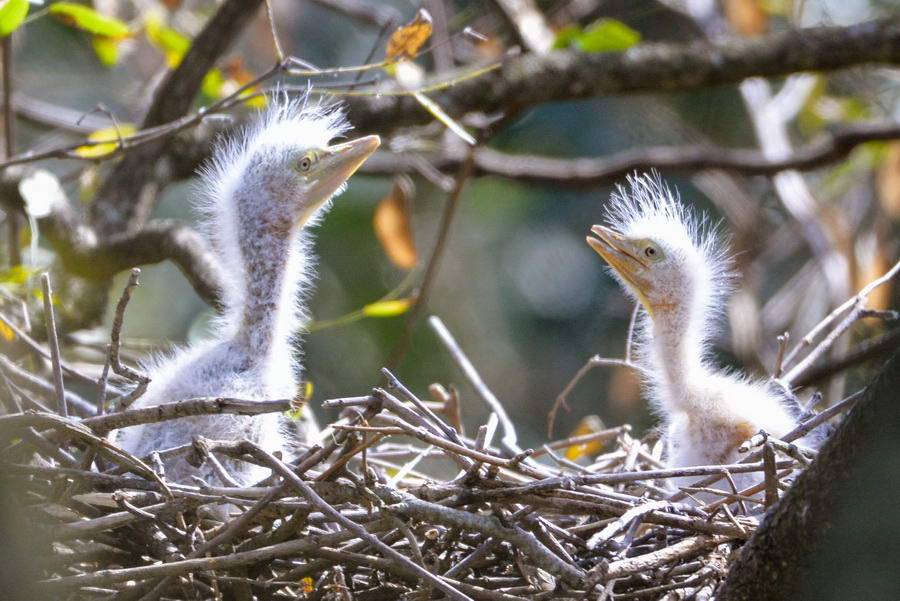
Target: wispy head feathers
[{"x": 648, "y": 208}]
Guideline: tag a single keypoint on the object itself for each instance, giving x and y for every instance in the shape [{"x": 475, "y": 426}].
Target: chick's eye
[
  {"x": 650, "y": 252},
  {"x": 304, "y": 164}
]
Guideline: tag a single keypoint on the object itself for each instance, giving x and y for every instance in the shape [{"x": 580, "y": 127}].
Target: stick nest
[{"x": 363, "y": 516}]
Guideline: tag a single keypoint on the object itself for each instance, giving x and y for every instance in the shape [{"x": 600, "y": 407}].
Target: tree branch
[
  {"x": 530, "y": 80},
  {"x": 123, "y": 202},
  {"x": 826, "y": 148}
]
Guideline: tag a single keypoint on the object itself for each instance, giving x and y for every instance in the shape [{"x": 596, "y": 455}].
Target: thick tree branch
[
  {"x": 87, "y": 255},
  {"x": 124, "y": 201},
  {"x": 530, "y": 80}
]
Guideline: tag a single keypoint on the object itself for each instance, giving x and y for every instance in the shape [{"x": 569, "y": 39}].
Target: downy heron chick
[
  {"x": 674, "y": 264},
  {"x": 260, "y": 193}
]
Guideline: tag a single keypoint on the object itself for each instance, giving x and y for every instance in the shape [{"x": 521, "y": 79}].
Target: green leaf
[
  {"x": 106, "y": 49},
  {"x": 86, "y": 18},
  {"x": 566, "y": 36},
  {"x": 608, "y": 35},
  {"x": 12, "y": 13},
  {"x": 605, "y": 35}
]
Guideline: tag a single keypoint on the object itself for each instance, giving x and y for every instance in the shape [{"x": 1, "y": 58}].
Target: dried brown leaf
[
  {"x": 406, "y": 41},
  {"x": 393, "y": 225},
  {"x": 747, "y": 17},
  {"x": 889, "y": 182}
]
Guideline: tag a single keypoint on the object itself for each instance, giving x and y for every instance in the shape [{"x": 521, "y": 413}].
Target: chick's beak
[
  {"x": 617, "y": 250},
  {"x": 336, "y": 164}
]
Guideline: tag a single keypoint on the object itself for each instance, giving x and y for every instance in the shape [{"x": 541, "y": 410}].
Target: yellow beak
[
  {"x": 618, "y": 251},
  {"x": 337, "y": 163}
]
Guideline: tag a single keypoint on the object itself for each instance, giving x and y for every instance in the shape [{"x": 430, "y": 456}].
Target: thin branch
[
  {"x": 184, "y": 408},
  {"x": 855, "y": 305},
  {"x": 595, "y": 361},
  {"x": 586, "y": 172},
  {"x": 431, "y": 268},
  {"x": 510, "y": 437},
  {"x": 9, "y": 146},
  {"x": 52, "y": 338}
]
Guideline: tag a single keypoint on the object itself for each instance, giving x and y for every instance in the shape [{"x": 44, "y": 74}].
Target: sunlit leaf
[
  {"x": 107, "y": 135},
  {"x": 308, "y": 389},
  {"x": 566, "y": 36},
  {"x": 106, "y": 49},
  {"x": 388, "y": 308},
  {"x": 212, "y": 83},
  {"x": 171, "y": 42},
  {"x": 392, "y": 224},
  {"x": 6, "y": 333},
  {"x": 747, "y": 17},
  {"x": 16, "y": 275},
  {"x": 86, "y": 18},
  {"x": 12, "y": 13},
  {"x": 406, "y": 41},
  {"x": 608, "y": 35},
  {"x": 219, "y": 83},
  {"x": 605, "y": 35},
  {"x": 588, "y": 425},
  {"x": 308, "y": 585}
]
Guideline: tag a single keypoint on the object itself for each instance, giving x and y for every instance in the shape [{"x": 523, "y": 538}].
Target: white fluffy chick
[
  {"x": 676, "y": 266},
  {"x": 261, "y": 191}
]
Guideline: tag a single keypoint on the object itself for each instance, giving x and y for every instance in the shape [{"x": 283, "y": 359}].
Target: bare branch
[{"x": 529, "y": 80}]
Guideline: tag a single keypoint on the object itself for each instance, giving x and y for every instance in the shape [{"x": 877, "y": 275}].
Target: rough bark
[{"x": 836, "y": 533}]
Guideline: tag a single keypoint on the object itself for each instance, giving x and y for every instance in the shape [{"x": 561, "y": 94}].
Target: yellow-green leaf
[
  {"x": 109, "y": 136},
  {"x": 388, "y": 308},
  {"x": 12, "y": 13},
  {"x": 605, "y": 35},
  {"x": 86, "y": 18},
  {"x": 212, "y": 83},
  {"x": 6, "y": 333},
  {"x": 106, "y": 49},
  {"x": 17, "y": 274},
  {"x": 171, "y": 42}
]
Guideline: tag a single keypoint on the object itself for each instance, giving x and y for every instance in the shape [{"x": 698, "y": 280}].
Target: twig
[
  {"x": 771, "y": 480},
  {"x": 118, "y": 367},
  {"x": 271, "y": 17},
  {"x": 49, "y": 315},
  {"x": 865, "y": 351},
  {"x": 854, "y": 305},
  {"x": 181, "y": 409},
  {"x": 9, "y": 146},
  {"x": 595, "y": 361},
  {"x": 37, "y": 348},
  {"x": 307, "y": 491},
  {"x": 431, "y": 268},
  {"x": 510, "y": 439}
]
